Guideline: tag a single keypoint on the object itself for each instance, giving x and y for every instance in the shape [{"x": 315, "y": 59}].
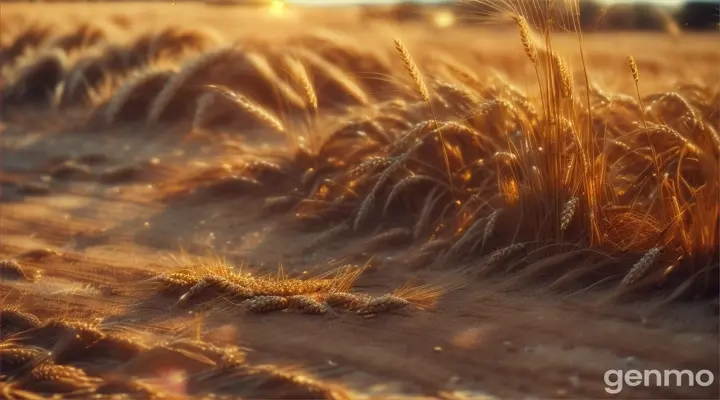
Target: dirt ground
[{"x": 482, "y": 339}]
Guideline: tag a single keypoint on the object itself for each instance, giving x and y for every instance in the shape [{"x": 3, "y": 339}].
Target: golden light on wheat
[{"x": 551, "y": 163}]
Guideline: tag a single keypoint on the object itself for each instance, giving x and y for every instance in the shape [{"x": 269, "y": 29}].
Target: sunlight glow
[
  {"x": 443, "y": 19},
  {"x": 277, "y": 7}
]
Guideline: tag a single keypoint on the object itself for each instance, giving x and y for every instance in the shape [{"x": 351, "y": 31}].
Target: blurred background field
[
  {"x": 469, "y": 30},
  {"x": 596, "y": 15}
]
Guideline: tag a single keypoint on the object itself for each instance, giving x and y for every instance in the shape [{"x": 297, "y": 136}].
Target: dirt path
[
  {"x": 525, "y": 344},
  {"x": 89, "y": 215}
]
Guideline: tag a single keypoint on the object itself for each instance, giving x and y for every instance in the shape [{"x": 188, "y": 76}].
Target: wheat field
[{"x": 275, "y": 202}]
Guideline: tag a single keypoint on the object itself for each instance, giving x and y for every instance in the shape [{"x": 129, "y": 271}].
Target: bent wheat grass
[{"x": 246, "y": 105}]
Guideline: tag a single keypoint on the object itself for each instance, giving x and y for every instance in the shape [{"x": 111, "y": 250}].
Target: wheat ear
[
  {"x": 505, "y": 253},
  {"x": 305, "y": 304},
  {"x": 568, "y": 212},
  {"x": 383, "y": 303},
  {"x": 526, "y": 38},
  {"x": 564, "y": 78},
  {"x": 263, "y": 304},
  {"x": 300, "y": 73},
  {"x": 642, "y": 266},
  {"x": 634, "y": 69},
  {"x": 412, "y": 69}
]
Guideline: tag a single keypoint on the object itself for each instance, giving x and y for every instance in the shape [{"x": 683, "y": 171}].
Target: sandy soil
[{"x": 482, "y": 338}]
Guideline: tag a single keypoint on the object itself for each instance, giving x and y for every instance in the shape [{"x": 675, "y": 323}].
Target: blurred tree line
[{"x": 694, "y": 15}]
